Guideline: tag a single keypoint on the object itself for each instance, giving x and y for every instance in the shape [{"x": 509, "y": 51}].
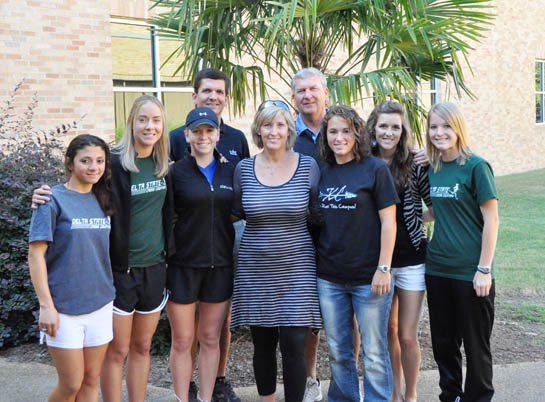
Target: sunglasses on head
[{"x": 278, "y": 103}]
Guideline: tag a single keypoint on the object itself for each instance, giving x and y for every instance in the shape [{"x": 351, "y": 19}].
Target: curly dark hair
[
  {"x": 402, "y": 161},
  {"x": 102, "y": 188},
  {"x": 362, "y": 148}
]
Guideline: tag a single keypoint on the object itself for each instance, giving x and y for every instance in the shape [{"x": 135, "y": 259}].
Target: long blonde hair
[
  {"x": 449, "y": 112},
  {"x": 161, "y": 149}
]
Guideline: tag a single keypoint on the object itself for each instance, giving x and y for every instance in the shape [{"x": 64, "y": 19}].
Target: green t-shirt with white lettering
[
  {"x": 146, "y": 240},
  {"x": 457, "y": 192}
]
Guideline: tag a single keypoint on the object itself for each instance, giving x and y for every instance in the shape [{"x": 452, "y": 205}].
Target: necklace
[{"x": 271, "y": 168}]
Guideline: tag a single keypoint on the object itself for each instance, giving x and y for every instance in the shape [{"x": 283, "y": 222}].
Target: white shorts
[
  {"x": 83, "y": 331},
  {"x": 410, "y": 277}
]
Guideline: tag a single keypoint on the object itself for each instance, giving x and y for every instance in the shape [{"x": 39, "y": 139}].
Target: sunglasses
[{"x": 278, "y": 103}]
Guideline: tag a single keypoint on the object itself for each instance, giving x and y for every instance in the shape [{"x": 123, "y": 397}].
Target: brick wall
[{"x": 62, "y": 48}]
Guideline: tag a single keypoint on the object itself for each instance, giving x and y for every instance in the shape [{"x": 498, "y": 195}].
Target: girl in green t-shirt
[{"x": 459, "y": 278}]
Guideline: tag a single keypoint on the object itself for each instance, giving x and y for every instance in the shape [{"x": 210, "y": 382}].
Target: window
[
  {"x": 429, "y": 93},
  {"x": 139, "y": 68},
  {"x": 540, "y": 91}
]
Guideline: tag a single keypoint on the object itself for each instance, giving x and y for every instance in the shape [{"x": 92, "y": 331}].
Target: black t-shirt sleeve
[
  {"x": 314, "y": 202},
  {"x": 245, "y": 148},
  {"x": 384, "y": 190},
  {"x": 178, "y": 143},
  {"x": 238, "y": 211}
]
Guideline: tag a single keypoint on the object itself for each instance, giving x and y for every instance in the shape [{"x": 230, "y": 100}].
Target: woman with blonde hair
[
  {"x": 201, "y": 271},
  {"x": 390, "y": 134},
  {"x": 275, "y": 283},
  {"x": 459, "y": 261},
  {"x": 139, "y": 245}
]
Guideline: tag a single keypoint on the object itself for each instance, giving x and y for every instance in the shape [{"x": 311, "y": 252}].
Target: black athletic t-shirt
[
  {"x": 351, "y": 195},
  {"x": 405, "y": 253}
]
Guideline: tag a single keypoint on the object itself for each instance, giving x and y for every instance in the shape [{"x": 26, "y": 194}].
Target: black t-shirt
[
  {"x": 232, "y": 144},
  {"x": 351, "y": 195},
  {"x": 405, "y": 253}
]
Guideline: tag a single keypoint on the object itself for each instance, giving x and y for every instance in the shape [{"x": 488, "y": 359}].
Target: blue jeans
[{"x": 339, "y": 303}]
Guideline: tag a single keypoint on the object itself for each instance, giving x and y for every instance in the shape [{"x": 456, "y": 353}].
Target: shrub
[
  {"x": 28, "y": 158},
  {"x": 160, "y": 344}
]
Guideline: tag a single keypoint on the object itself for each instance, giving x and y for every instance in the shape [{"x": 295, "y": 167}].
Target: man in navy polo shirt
[
  {"x": 211, "y": 89},
  {"x": 309, "y": 93}
]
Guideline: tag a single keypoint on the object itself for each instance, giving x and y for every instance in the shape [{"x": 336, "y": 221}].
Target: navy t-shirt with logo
[
  {"x": 79, "y": 273},
  {"x": 351, "y": 195}
]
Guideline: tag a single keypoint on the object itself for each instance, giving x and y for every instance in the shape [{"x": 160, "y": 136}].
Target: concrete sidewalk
[{"x": 32, "y": 382}]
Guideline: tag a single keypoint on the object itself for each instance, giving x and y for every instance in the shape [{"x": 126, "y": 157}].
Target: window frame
[
  {"x": 541, "y": 91},
  {"x": 156, "y": 87},
  {"x": 433, "y": 91}
]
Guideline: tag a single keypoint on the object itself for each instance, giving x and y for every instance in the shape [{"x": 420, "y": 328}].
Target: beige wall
[
  {"x": 62, "y": 48},
  {"x": 501, "y": 121},
  {"x": 134, "y": 9}
]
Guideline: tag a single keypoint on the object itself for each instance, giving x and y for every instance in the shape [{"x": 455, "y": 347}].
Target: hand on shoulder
[
  {"x": 420, "y": 157},
  {"x": 40, "y": 196}
]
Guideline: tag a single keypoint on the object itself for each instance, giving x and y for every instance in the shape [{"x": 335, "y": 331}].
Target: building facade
[{"x": 94, "y": 57}]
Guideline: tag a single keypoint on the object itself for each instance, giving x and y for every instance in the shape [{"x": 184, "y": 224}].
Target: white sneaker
[{"x": 313, "y": 390}]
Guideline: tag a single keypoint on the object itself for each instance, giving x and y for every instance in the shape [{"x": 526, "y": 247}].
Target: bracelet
[{"x": 485, "y": 269}]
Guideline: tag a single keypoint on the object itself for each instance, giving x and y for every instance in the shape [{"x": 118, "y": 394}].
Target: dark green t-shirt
[
  {"x": 457, "y": 192},
  {"x": 147, "y": 240}
]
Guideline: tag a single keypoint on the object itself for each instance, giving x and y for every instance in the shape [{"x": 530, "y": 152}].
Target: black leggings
[{"x": 292, "y": 348}]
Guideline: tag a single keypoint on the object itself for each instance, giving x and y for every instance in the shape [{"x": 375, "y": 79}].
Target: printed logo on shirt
[
  {"x": 224, "y": 187},
  {"x": 90, "y": 223},
  {"x": 445, "y": 192},
  {"x": 335, "y": 198},
  {"x": 233, "y": 152},
  {"x": 148, "y": 187}
]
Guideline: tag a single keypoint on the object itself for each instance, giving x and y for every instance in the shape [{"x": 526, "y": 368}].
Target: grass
[
  {"x": 520, "y": 253},
  {"x": 527, "y": 312}
]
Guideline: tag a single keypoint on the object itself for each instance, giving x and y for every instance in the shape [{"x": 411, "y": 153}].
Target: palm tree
[{"x": 388, "y": 45}]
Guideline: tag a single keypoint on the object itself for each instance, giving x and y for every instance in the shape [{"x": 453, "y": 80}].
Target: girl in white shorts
[
  {"x": 391, "y": 137},
  {"x": 70, "y": 269}
]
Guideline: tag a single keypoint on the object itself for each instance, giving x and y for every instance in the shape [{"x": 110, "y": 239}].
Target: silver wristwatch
[
  {"x": 485, "y": 269},
  {"x": 383, "y": 268}
]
